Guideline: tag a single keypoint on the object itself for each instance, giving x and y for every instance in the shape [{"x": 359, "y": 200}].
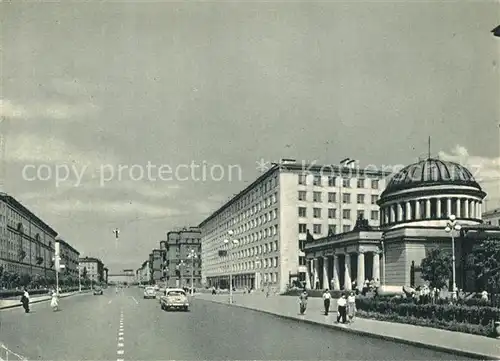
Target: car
[
  {"x": 97, "y": 291},
  {"x": 174, "y": 298},
  {"x": 149, "y": 292}
]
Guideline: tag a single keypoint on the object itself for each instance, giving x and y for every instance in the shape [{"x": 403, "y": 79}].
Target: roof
[
  {"x": 21, "y": 208},
  {"x": 66, "y": 244},
  {"x": 331, "y": 169},
  {"x": 430, "y": 172},
  {"x": 89, "y": 260}
]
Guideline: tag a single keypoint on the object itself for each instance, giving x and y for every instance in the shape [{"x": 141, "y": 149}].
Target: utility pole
[{"x": 57, "y": 259}]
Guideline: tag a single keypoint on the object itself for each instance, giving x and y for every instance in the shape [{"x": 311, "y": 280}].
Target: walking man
[
  {"x": 25, "y": 300},
  {"x": 342, "y": 309},
  {"x": 326, "y": 301}
]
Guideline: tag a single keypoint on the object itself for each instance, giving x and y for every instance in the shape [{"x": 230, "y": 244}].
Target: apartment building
[
  {"x": 492, "y": 217},
  {"x": 93, "y": 268},
  {"x": 26, "y": 242},
  {"x": 69, "y": 258},
  {"x": 273, "y": 217},
  {"x": 156, "y": 261},
  {"x": 143, "y": 273},
  {"x": 183, "y": 258}
]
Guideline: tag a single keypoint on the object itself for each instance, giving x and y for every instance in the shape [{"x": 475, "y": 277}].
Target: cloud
[{"x": 46, "y": 109}]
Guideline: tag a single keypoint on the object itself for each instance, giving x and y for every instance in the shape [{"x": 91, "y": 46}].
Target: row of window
[
  {"x": 332, "y": 197},
  {"x": 332, "y": 213},
  {"x": 318, "y": 228},
  {"x": 248, "y": 252},
  {"x": 332, "y": 181}
]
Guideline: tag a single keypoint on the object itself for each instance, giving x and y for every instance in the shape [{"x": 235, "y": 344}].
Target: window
[
  {"x": 302, "y": 179},
  {"x": 302, "y": 228},
  {"x": 374, "y": 215},
  {"x": 361, "y": 183},
  {"x": 332, "y": 213},
  {"x": 317, "y": 212},
  {"x": 332, "y": 197},
  {"x": 346, "y": 198},
  {"x": 302, "y": 243},
  {"x": 332, "y": 228},
  {"x": 302, "y": 195},
  {"x": 317, "y": 229},
  {"x": 302, "y": 261},
  {"x": 302, "y": 212},
  {"x": 361, "y": 198},
  {"x": 346, "y": 214},
  {"x": 346, "y": 183},
  {"x": 374, "y": 183},
  {"x": 317, "y": 180},
  {"x": 331, "y": 181},
  {"x": 374, "y": 199},
  {"x": 361, "y": 214},
  {"x": 317, "y": 197},
  {"x": 346, "y": 229}
]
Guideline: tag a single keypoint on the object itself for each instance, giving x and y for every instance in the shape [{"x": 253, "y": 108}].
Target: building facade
[
  {"x": 26, "y": 242},
  {"x": 183, "y": 258},
  {"x": 273, "y": 217},
  {"x": 93, "y": 268},
  {"x": 156, "y": 258},
  {"x": 143, "y": 273},
  {"x": 69, "y": 258},
  {"x": 415, "y": 209},
  {"x": 492, "y": 217}
]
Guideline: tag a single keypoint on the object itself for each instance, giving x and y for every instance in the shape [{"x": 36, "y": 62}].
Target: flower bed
[{"x": 471, "y": 319}]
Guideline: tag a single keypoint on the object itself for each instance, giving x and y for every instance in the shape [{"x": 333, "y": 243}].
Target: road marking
[
  {"x": 110, "y": 301},
  {"x": 120, "y": 352},
  {"x": 120, "y": 333},
  {"x": 119, "y": 359},
  {"x": 137, "y": 302},
  {"x": 120, "y": 338},
  {"x": 121, "y": 345}
]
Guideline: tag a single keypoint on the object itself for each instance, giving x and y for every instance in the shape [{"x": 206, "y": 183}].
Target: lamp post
[
  {"x": 179, "y": 266},
  {"x": 230, "y": 240},
  {"x": 192, "y": 255},
  {"x": 382, "y": 246},
  {"x": 257, "y": 274},
  {"x": 452, "y": 226},
  {"x": 57, "y": 259},
  {"x": 79, "y": 278}
]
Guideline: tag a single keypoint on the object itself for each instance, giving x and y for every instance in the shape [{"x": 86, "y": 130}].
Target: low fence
[{"x": 8, "y": 355}]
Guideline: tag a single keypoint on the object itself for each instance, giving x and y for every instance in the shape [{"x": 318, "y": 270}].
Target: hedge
[
  {"x": 40, "y": 291},
  {"x": 311, "y": 293},
  {"x": 431, "y": 315}
]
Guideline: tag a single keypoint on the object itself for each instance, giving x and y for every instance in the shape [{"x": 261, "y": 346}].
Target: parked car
[
  {"x": 97, "y": 291},
  {"x": 149, "y": 292},
  {"x": 174, "y": 298}
]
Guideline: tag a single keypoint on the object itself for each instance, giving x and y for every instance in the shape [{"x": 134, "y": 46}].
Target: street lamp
[
  {"x": 79, "y": 277},
  {"x": 382, "y": 246},
  {"x": 230, "y": 240},
  {"x": 192, "y": 255},
  {"x": 179, "y": 267},
  {"x": 452, "y": 226},
  {"x": 257, "y": 274}
]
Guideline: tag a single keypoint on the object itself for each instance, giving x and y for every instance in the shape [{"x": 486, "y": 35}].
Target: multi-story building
[
  {"x": 274, "y": 216},
  {"x": 93, "y": 268},
  {"x": 156, "y": 261},
  {"x": 69, "y": 258},
  {"x": 26, "y": 242},
  {"x": 492, "y": 217},
  {"x": 183, "y": 258},
  {"x": 143, "y": 273}
]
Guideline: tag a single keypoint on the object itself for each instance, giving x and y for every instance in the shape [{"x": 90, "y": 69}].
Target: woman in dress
[
  {"x": 54, "y": 303},
  {"x": 351, "y": 306}
]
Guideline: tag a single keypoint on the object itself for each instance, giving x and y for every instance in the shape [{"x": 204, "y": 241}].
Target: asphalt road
[{"x": 88, "y": 327}]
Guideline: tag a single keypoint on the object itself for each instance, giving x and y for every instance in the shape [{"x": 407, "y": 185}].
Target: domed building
[{"x": 415, "y": 208}]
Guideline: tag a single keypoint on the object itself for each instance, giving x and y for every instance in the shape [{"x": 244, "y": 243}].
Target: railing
[{"x": 8, "y": 355}]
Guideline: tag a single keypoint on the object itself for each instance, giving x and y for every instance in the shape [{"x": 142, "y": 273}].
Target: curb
[
  {"x": 449, "y": 350},
  {"x": 38, "y": 301}
]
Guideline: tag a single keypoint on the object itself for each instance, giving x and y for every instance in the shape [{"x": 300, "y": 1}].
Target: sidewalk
[
  {"x": 457, "y": 343},
  {"x": 6, "y": 304}
]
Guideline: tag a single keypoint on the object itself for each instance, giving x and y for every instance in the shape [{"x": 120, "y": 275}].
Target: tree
[
  {"x": 25, "y": 279},
  {"x": 84, "y": 273},
  {"x": 436, "y": 268},
  {"x": 487, "y": 263}
]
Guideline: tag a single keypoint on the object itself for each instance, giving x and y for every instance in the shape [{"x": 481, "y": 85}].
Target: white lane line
[
  {"x": 120, "y": 352},
  {"x": 120, "y": 338},
  {"x": 120, "y": 333},
  {"x": 121, "y": 345},
  {"x": 110, "y": 301},
  {"x": 119, "y": 359},
  {"x": 137, "y": 302}
]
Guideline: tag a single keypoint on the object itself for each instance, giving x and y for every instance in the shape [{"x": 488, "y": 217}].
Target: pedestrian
[
  {"x": 341, "y": 309},
  {"x": 351, "y": 306},
  {"x": 326, "y": 301},
  {"x": 25, "y": 300},
  {"x": 303, "y": 302},
  {"x": 54, "y": 303}
]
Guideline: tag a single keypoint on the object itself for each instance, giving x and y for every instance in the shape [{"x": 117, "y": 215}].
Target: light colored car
[
  {"x": 174, "y": 298},
  {"x": 97, "y": 291},
  {"x": 149, "y": 292}
]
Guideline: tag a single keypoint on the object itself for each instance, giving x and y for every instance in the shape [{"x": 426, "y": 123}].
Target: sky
[{"x": 170, "y": 89}]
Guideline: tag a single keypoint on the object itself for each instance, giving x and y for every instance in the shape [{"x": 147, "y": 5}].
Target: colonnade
[
  {"x": 337, "y": 274},
  {"x": 430, "y": 208}
]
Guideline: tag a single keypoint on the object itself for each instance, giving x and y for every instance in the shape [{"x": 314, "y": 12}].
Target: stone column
[
  {"x": 326, "y": 281},
  {"x": 400, "y": 212},
  {"x": 466, "y": 208},
  {"x": 459, "y": 208},
  {"x": 376, "y": 266},
  {"x": 438, "y": 207},
  {"x": 473, "y": 209},
  {"x": 336, "y": 283},
  {"x": 361, "y": 270},
  {"x": 417, "y": 209},
  {"x": 393, "y": 213},
  {"x": 408, "y": 211},
  {"x": 316, "y": 272},
  {"x": 479, "y": 210},
  {"x": 448, "y": 206},
  {"x": 428, "y": 209},
  {"x": 347, "y": 277},
  {"x": 308, "y": 274}
]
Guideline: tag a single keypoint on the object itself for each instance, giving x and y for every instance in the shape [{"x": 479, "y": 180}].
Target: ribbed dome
[{"x": 430, "y": 172}]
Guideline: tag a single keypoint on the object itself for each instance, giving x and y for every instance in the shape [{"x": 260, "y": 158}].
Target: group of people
[
  {"x": 25, "y": 300},
  {"x": 346, "y": 305}
]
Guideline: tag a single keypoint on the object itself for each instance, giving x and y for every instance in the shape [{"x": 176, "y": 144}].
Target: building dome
[{"x": 430, "y": 172}]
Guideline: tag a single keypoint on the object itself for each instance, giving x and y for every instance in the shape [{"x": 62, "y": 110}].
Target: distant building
[
  {"x": 69, "y": 258},
  {"x": 182, "y": 258},
  {"x": 492, "y": 217},
  {"x": 26, "y": 242},
  {"x": 94, "y": 268},
  {"x": 156, "y": 259},
  {"x": 274, "y": 215},
  {"x": 143, "y": 273}
]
